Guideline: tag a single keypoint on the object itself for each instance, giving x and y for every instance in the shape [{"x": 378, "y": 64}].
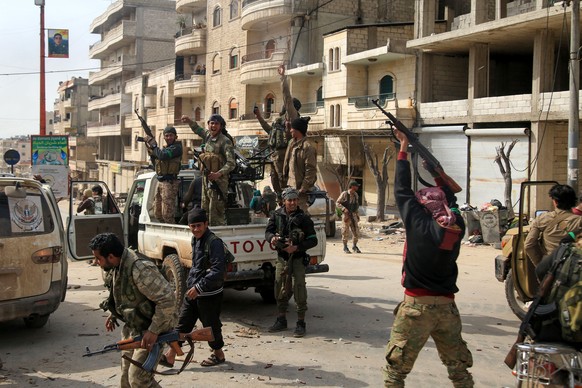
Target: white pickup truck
[{"x": 169, "y": 245}]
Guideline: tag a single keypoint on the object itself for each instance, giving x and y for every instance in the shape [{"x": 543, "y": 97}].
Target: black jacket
[
  {"x": 207, "y": 273},
  {"x": 283, "y": 224},
  {"x": 426, "y": 267}
]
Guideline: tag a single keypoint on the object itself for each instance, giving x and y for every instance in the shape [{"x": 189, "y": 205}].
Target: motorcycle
[{"x": 548, "y": 364}]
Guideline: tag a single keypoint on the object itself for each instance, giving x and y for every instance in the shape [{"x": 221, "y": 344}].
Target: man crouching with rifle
[
  {"x": 141, "y": 297},
  {"x": 434, "y": 230}
]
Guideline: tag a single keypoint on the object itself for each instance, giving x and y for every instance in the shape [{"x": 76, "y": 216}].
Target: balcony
[
  {"x": 261, "y": 67},
  {"x": 108, "y": 126},
  {"x": 191, "y": 41},
  {"x": 190, "y": 6},
  {"x": 257, "y": 13},
  {"x": 105, "y": 101},
  {"x": 127, "y": 63},
  {"x": 120, "y": 36},
  {"x": 190, "y": 86}
]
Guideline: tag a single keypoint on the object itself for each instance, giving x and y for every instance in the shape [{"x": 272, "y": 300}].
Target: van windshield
[{"x": 30, "y": 215}]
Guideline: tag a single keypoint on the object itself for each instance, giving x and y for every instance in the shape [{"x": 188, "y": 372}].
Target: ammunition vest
[
  {"x": 168, "y": 167},
  {"x": 277, "y": 139},
  {"x": 130, "y": 304},
  {"x": 212, "y": 161}
]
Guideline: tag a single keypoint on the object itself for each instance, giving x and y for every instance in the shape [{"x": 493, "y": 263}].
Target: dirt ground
[{"x": 348, "y": 323}]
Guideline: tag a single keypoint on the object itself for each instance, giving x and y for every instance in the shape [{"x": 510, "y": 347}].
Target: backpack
[
  {"x": 228, "y": 256},
  {"x": 566, "y": 293},
  {"x": 277, "y": 140}
]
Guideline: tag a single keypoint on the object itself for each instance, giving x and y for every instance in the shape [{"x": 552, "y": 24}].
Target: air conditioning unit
[
  {"x": 150, "y": 101},
  {"x": 193, "y": 59}
]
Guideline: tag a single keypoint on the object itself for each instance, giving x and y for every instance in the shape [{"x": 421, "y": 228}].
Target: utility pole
[
  {"x": 573, "y": 119},
  {"x": 42, "y": 117}
]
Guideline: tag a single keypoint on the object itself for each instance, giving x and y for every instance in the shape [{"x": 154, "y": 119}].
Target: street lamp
[{"x": 42, "y": 117}]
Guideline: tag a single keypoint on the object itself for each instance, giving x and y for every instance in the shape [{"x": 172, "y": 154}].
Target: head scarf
[{"x": 435, "y": 201}]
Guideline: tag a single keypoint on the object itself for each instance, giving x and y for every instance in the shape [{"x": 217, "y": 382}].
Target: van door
[{"x": 92, "y": 210}]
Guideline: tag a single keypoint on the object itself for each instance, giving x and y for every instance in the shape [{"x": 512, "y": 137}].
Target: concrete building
[
  {"x": 136, "y": 36},
  {"x": 70, "y": 117},
  {"x": 489, "y": 73}
]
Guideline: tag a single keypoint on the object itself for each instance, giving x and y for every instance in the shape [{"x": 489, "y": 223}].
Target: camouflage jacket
[
  {"x": 221, "y": 147},
  {"x": 300, "y": 165},
  {"x": 143, "y": 298}
]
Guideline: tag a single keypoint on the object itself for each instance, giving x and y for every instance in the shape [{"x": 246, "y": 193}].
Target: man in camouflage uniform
[
  {"x": 167, "y": 162},
  {"x": 219, "y": 158},
  {"x": 279, "y": 133},
  {"x": 429, "y": 274},
  {"x": 140, "y": 297},
  {"x": 300, "y": 169},
  {"x": 348, "y": 203},
  {"x": 292, "y": 231}
]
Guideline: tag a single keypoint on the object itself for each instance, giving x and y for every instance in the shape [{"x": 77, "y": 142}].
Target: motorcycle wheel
[{"x": 518, "y": 307}]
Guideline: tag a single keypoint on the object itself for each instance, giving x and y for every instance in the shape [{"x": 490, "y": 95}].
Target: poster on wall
[
  {"x": 50, "y": 160},
  {"x": 58, "y": 43}
]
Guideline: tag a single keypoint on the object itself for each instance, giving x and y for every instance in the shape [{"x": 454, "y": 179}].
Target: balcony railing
[
  {"x": 257, "y": 56},
  {"x": 366, "y": 101},
  {"x": 251, "y": 116},
  {"x": 311, "y": 107}
]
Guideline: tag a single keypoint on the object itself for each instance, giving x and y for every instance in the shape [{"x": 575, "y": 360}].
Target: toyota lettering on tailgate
[{"x": 249, "y": 246}]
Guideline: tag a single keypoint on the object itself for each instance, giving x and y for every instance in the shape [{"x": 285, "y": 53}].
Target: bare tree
[
  {"x": 342, "y": 172},
  {"x": 503, "y": 161},
  {"x": 380, "y": 172}
]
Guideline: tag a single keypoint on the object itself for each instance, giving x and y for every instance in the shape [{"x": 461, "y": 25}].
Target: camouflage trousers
[
  {"x": 299, "y": 286},
  {"x": 353, "y": 226},
  {"x": 165, "y": 201},
  {"x": 277, "y": 172},
  {"x": 413, "y": 324},
  {"x": 131, "y": 375},
  {"x": 214, "y": 205}
]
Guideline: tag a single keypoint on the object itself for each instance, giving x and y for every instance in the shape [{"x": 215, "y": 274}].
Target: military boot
[
  {"x": 279, "y": 325},
  {"x": 356, "y": 249},
  {"x": 299, "y": 329},
  {"x": 346, "y": 249}
]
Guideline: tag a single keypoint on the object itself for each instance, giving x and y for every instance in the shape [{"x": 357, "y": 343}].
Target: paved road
[{"x": 348, "y": 323}]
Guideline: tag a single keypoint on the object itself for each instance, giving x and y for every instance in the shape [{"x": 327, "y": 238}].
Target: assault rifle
[
  {"x": 145, "y": 127},
  {"x": 545, "y": 286},
  {"x": 205, "y": 170},
  {"x": 172, "y": 338},
  {"x": 346, "y": 205},
  {"x": 432, "y": 162}
]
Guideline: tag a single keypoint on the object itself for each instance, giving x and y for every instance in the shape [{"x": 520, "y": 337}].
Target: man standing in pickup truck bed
[
  {"x": 167, "y": 162},
  {"x": 219, "y": 158},
  {"x": 293, "y": 233}
]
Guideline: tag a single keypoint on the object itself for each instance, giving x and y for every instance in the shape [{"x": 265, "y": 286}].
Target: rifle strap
[{"x": 170, "y": 372}]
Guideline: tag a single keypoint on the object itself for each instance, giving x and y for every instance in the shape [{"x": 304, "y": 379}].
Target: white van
[{"x": 33, "y": 264}]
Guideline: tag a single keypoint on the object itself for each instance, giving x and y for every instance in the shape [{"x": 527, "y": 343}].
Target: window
[
  {"x": 162, "y": 98},
  {"x": 338, "y": 115},
  {"x": 234, "y": 9},
  {"x": 215, "y": 108},
  {"x": 198, "y": 114},
  {"x": 269, "y": 103},
  {"x": 136, "y": 102},
  {"x": 233, "y": 109},
  {"x": 331, "y": 115},
  {"x": 334, "y": 59},
  {"x": 216, "y": 64},
  {"x": 216, "y": 17},
  {"x": 386, "y": 88},
  {"x": 319, "y": 96},
  {"x": 233, "y": 59}
]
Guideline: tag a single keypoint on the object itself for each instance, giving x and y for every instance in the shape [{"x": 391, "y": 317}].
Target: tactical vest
[
  {"x": 168, "y": 167},
  {"x": 133, "y": 307},
  {"x": 277, "y": 140}
]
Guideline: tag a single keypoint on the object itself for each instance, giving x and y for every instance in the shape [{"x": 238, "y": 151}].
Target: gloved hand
[{"x": 151, "y": 142}]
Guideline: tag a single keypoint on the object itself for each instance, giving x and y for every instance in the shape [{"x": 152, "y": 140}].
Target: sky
[{"x": 20, "y": 58}]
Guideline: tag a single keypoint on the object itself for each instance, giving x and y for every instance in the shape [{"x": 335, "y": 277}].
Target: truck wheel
[
  {"x": 518, "y": 307},
  {"x": 330, "y": 230},
  {"x": 268, "y": 294},
  {"x": 36, "y": 321},
  {"x": 175, "y": 274}
]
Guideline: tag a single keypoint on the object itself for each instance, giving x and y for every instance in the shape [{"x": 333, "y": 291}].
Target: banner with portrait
[{"x": 58, "y": 43}]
